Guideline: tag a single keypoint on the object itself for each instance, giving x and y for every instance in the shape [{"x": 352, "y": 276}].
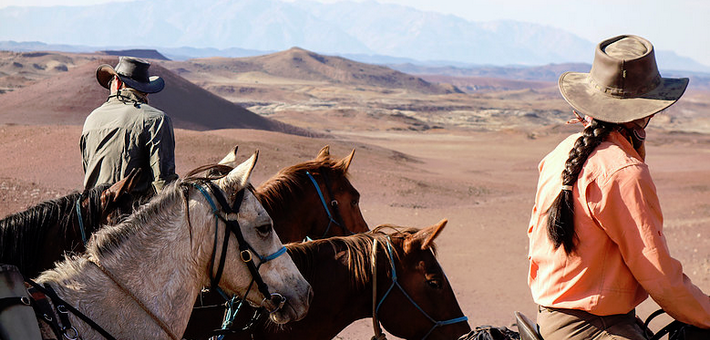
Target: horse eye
[
  {"x": 436, "y": 284},
  {"x": 264, "y": 229},
  {"x": 355, "y": 202}
]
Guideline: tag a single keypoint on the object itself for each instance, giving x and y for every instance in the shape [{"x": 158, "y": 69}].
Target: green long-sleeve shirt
[{"x": 124, "y": 134}]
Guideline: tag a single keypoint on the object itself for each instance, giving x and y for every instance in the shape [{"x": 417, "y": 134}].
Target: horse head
[
  {"x": 312, "y": 199},
  {"x": 279, "y": 286},
  {"x": 425, "y": 296},
  {"x": 117, "y": 199}
]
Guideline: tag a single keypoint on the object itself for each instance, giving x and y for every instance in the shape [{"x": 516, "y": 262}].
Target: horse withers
[{"x": 139, "y": 279}]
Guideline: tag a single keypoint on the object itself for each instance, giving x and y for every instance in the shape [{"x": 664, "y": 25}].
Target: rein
[
  {"x": 80, "y": 218},
  {"x": 334, "y": 203},
  {"x": 62, "y": 307},
  {"x": 376, "y": 324}
]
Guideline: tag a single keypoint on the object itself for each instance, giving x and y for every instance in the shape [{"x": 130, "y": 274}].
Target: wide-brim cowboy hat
[
  {"x": 133, "y": 72},
  {"x": 624, "y": 84}
]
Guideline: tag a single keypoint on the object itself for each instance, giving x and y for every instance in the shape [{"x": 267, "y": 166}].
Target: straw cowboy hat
[
  {"x": 133, "y": 72},
  {"x": 624, "y": 84}
]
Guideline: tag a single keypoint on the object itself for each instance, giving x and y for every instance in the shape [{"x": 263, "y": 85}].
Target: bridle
[
  {"x": 338, "y": 219},
  {"x": 376, "y": 305},
  {"x": 246, "y": 252}
]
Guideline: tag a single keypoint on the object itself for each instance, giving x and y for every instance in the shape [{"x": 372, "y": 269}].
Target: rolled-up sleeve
[{"x": 627, "y": 208}]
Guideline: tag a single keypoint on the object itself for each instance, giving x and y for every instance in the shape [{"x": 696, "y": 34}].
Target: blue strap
[
  {"x": 81, "y": 220},
  {"x": 272, "y": 256},
  {"x": 396, "y": 283},
  {"x": 320, "y": 194},
  {"x": 207, "y": 197}
]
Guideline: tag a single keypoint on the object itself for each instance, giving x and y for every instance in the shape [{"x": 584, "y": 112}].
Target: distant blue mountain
[{"x": 369, "y": 30}]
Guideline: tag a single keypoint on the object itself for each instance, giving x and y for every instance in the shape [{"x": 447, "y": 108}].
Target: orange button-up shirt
[{"x": 621, "y": 256}]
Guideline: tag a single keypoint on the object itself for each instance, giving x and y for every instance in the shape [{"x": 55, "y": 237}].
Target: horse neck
[
  {"x": 156, "y": 263},
  {"x": 337, "y": 301},
  {"x": 36, "y": 238}
]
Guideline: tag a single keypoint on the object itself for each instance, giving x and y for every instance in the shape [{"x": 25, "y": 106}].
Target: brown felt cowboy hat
[
  {"x": 624, "y": 84},
  {"x": 133, "y": 72}
]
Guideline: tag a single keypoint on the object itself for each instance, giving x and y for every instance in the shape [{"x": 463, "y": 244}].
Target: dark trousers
[{"x": 572, "y": 324}]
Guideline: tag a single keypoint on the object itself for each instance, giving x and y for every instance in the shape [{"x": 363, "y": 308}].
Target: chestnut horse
[
  {"x": 313, "y": 199},
  {"x": 140, "y": 278},
  {"x": 394, "y": 276},
  {"x": 34, "y": 239}
]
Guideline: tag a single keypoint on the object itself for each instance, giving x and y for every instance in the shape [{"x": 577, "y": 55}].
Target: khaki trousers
[{"x": 572, "y": 324}]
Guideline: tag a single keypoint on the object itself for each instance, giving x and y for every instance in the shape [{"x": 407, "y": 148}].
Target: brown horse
[
  {"x": 411, "y": 298},
  {"x": 34, "y": 239},
  {"x": 313, "y": 199}
]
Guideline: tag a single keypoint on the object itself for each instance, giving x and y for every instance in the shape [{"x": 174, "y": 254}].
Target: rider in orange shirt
[{"x": 597, "y": 248}]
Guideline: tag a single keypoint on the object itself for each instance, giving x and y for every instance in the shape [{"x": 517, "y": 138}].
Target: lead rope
[
  {"x": 375, "y": 322},
  {"x": 140, "y": 303}
]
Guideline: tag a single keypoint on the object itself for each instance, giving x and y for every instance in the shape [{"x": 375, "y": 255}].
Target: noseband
[
  {"x": 334, "y": 203},
  {"x": 376, "y": 307},
  {"x": 246, "y": 252}
]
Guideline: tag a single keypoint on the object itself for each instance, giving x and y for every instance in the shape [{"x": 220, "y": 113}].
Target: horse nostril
[{"x": 310, "y": 295}]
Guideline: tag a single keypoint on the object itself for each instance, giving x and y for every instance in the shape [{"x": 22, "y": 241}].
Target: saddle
[
  {"x": 526, "y": 327},
  {"x": 17, "y": 317}
]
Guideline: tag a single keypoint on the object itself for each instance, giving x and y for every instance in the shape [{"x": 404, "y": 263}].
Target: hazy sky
[{"x": 682, "y": 26}]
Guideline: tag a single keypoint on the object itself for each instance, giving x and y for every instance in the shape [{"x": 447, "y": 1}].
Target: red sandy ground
[{"x": 483, "y": 182}]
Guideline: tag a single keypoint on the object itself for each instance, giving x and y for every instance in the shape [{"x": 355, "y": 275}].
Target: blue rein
[
  {"x": 396, "y": 283},
  {"x": 81, "y": 219}
]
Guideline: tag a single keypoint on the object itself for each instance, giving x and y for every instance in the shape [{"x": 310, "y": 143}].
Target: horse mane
[
  {"x": 289, "y": 183},
  {"x": 358, "y": 248},
  {"x": 22, "y": 233},
  {"x": 108, "y": 239}
]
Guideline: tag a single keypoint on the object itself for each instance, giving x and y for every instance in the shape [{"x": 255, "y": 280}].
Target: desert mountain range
[
  {"x": 302, "y": 92},
  {"x": 366, "y": 31}
]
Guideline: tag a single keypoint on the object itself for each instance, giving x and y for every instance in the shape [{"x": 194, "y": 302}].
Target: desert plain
[{"x": 420, "y": 156}]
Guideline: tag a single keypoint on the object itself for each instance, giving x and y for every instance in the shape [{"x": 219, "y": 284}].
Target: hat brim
[
  {"x": 155, "y": 84},
  {"x": 583, "y": 96},
  {"x": 105, "y": 72}
]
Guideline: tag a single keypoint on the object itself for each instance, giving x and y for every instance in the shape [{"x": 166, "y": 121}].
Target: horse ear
[
  {"x": 120, "y": 188},
  {"x": 433, "y": 232},
  {"x": 345, "y": 162},
  {"x": 239, "y": 176},
  {"x": 231, "y": 158},
  {"x": 423, "y": 238},
  {"x": 324, "y": 153}
]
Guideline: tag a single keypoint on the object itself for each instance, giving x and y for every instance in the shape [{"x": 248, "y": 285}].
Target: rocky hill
[
  {"x": 303, "y": 65},
  {"x": 51, "y": 92}
]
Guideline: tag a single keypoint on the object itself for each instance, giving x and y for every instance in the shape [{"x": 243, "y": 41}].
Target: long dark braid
[{"x": 560, "y": 220}]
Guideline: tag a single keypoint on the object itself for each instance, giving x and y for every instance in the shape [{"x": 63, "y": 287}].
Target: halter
[
  {"x": 246, "y": 252},
  {"x": 376, "y": 308},
  {"x": 333, "y": 203}
]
